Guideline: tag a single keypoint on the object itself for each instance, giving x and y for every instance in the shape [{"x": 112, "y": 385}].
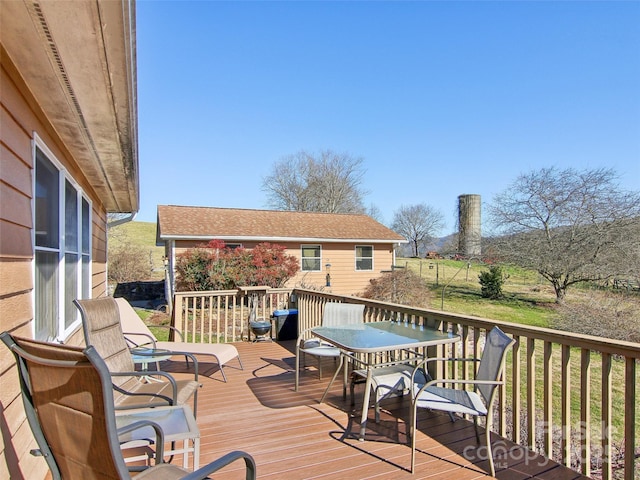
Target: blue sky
[{"x": 439, "y": 99}]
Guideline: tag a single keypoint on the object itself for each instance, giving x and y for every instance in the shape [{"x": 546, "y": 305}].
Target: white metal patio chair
[{"x": 333, "y": 314}]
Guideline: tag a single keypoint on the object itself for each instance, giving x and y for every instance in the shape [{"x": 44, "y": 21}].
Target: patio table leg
[
  {"x": 365, "y": 403},
  {"x": 335, "y": 375}
]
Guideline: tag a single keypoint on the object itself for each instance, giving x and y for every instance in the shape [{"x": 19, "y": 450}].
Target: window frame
[
  {"x": 61, "y": 326},
  {"x": 361, "y": 258},
  {"x": 318, "y": 259}
]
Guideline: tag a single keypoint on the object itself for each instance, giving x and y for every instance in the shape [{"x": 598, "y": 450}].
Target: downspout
[{"x": 169, "y": 262}]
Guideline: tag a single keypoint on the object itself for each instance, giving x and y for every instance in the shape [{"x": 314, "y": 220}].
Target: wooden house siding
[
  {"x": 345, "y": 279},
  {"x": 20, "y": 117}
]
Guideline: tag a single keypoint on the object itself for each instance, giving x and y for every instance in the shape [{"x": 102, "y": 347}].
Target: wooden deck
[{"x": 292, "y": 436}]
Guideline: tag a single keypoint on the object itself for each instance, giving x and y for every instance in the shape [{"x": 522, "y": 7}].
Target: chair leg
[
  {"x": 489, "y": 452},
  {"x": 352, "y": 388},
  {"x": 297, "y": 367},
  {"x": 412, "y": 435},
  {"x": 320, "y": 368}
]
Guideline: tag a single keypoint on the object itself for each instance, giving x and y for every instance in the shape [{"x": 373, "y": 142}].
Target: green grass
[{"x": 527, "y": 300}]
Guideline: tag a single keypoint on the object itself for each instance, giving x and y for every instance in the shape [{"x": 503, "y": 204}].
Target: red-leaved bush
[{"x": 214, "y": 267}]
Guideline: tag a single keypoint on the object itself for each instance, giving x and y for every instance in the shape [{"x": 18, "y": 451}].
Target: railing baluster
[
  {"x": 192, "y": 318},
  {"x": 218, "y": 317},
  {"x": 547, "y": 410},
  {"x": 516, "y": 393},
  {"x": 531, "y": 393},
  {"x": 202, "y": 310},
  {"x": 502, "y": 411},
  {"x": 629, "y": 419},
  {"x": 465, "y": 351},
  {"x": 565, "y": 446},
  {"x": 606, "y": 416},
  {"x": 585, "y": 411}
]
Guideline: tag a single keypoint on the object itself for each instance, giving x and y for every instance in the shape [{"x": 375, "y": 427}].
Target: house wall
[
  {"x": 20, "y": 117},
  {"x": 345, "y": 279}
]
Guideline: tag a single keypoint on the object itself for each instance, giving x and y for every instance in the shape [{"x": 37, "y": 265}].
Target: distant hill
[{"x": 439, "y": 245}]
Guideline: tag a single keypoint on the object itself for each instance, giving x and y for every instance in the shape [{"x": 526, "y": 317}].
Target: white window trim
[
  {"x": 355, "y": 259},
  {"x": 64, "y": 175},
  {"x": 311, "y": 245}
]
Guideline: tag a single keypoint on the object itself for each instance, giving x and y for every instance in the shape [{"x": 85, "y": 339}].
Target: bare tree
[
  {"x": 374, "y": 212},
  {"x": 571, "y": 226},
  {"x": 328, "y": 182},
  {"x": 418, "y": 223}
]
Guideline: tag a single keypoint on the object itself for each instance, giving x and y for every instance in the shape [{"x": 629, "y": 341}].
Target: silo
[{"x": 469, "y": 233}]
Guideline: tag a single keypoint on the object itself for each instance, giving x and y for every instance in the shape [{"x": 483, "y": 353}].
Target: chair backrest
[
  {"x": 342, "y": 314},
  {"x": 132, "y": 324},
  {"x": 102, "y": 329},
  {"x": 68, "y": 399},
  {"x": 492, "y": 360}
]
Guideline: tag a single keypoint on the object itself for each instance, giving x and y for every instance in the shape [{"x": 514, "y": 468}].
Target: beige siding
[
  {"x": 20, "y": 117},
  {"x": 345, "y": 280}
]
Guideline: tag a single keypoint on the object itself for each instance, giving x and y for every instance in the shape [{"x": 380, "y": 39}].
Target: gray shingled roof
[{"x": 183, "y": 222}]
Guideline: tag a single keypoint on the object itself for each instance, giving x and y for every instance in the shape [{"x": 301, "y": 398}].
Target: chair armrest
[
  {"x": 172, "y": 381},
  {"x": 171, "y": 327},
  {"x": 128, "y": 337},
  {"x": 444, "y": 381},
  {"x": 301, "y": 340},
  {"x": 302, "y": 335},
  {"x": 203, "y": 472},
  {"x": 423, "y": 363},
  {"x": 159, "y": 435}
]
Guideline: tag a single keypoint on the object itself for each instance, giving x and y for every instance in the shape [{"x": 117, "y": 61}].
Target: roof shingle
[{"x": 209, "y": 222}]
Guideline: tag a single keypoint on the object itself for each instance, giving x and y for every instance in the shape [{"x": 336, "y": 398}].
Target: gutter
[{"x": 120, "y": 221}]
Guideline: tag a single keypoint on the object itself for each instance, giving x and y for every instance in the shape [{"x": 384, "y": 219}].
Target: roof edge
[{"x": 278, "y": 239}]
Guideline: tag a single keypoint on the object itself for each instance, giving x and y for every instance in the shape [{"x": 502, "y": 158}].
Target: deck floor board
[{"x": 291, "y": 436}]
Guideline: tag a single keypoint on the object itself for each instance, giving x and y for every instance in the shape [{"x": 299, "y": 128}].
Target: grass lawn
[{"x": 454, "y": 287}]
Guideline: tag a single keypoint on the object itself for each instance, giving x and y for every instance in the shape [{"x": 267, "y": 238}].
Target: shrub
[
  {"x": 404, "y": 287},
  {"x": 214, "y": 267},
  {"x": 491, "y": 282},
  {"x": 193, "y": 270},
  {"x": 609, "y": 315},
  {"x": 128, "y": 264}
]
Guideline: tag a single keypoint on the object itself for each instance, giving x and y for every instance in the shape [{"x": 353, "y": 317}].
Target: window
[
  {"x": 364, "y": 257},
  {"x": 311, "y": 260},
  {"x": 62, "y": 248}
]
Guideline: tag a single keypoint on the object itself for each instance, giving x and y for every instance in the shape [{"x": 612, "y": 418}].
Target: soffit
[{"x": 78, "y": 61}]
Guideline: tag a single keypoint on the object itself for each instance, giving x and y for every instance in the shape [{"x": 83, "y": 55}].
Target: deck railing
[
  {"x": 567, "y": 396},
  {"x": 222, "y": 316}
]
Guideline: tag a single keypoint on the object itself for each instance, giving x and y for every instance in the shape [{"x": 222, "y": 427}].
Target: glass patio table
[{"x": 369, "y": 339}]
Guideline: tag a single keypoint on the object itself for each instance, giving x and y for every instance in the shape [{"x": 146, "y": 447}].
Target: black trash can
[{"x": 286, "y": 324}]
